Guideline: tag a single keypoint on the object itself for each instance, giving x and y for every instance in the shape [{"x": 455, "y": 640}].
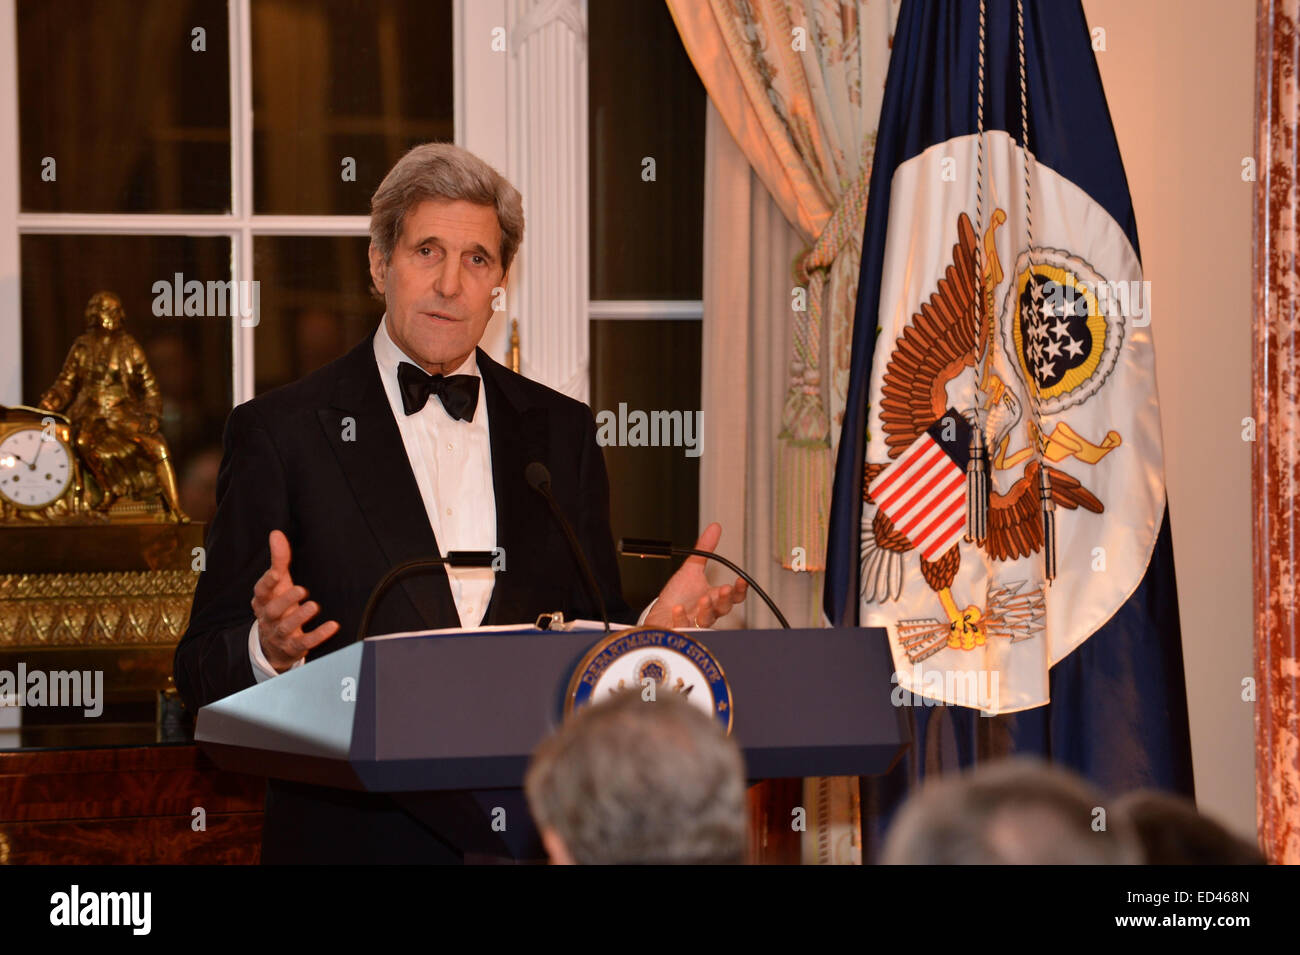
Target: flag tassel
[
  {"x": 1049, "y": 523},
  {"x": 977, "y": 489},
  {"x": 803, "y": 475}
]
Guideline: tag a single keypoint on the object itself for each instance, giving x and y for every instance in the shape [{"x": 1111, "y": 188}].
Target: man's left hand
[{"x": 687, "y": 600}]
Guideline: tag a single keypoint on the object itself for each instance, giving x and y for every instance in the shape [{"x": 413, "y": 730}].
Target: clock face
[{"x": 34, "y": 470}]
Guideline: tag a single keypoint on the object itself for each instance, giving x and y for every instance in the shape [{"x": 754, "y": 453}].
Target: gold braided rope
[
  {"x": 1031, "y": 384},
  {"x": 804, "y": 464}
]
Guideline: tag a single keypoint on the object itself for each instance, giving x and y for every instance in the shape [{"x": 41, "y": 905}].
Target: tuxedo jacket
[{"x": 322, "y": 460}]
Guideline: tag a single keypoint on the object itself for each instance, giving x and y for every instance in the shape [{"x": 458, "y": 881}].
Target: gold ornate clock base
[
  {"x": 112, "y": 597},
  {"x": 102, "y": 609}
]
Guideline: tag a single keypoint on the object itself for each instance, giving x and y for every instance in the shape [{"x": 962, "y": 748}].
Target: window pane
[
  {"x": 315, "y": 303},
  {"x": 338, "y": 80},
  {"x": 646, "y": 367},
  {"x": 646, "y": 102},
  {"x": 118, "y": 110},
  {"x": 190, "y": 356}
]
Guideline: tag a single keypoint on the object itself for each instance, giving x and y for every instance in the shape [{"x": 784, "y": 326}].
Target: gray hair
[
  {"x": 1012, "y": 812},
  {"x": 444, "y": 171},
  {"x": 627, "y": 781},
  {"x": 1174, "y": 832}
]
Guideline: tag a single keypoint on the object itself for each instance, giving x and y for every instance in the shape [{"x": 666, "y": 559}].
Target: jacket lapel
[
  {"x": 383, "y": 483},
  {"x": 518, "y": 434}
]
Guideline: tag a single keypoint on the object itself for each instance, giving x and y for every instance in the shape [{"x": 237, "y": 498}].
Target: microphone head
[{"x": 537, "y": 476}]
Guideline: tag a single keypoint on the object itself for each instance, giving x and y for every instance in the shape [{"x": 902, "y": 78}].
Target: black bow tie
[{"x": 459, "y": 393}]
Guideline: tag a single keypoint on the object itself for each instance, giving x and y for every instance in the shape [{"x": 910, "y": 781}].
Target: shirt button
[
  {"x": 449, "y": 510},
  {"x": 450, "y": 446}
]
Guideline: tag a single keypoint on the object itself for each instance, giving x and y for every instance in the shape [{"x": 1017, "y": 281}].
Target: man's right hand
[{"x": 277, "y": 604}]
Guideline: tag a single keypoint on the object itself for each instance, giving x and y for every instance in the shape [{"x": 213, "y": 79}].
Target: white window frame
[{"x": 494, "y": 118}]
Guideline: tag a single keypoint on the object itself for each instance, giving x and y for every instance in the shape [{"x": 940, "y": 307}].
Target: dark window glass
[
  {"x": 648, "y": 366},
  {"x": 315, "y": 303},
  {"x": 190, "y": 356},
  {"x": 131, "y": 115},
  {"x": 646, "y": 103},
  {"x": 337, "y": 80}
]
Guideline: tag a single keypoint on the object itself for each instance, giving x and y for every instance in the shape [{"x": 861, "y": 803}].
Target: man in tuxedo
[{"x": 413, "y": 444}]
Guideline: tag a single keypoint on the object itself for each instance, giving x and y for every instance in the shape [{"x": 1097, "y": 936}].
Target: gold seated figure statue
[{"x": 111, "y": 396}]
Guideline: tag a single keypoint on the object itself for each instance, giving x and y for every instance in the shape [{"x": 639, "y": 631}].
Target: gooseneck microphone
[
  {"x": 539, "y": 479},
  {"x": 647, "y": 547},
  {"x": 454, "y": 558}
]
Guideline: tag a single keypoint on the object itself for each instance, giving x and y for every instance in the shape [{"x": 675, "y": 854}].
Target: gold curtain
[{"x": 798, "y": 84}]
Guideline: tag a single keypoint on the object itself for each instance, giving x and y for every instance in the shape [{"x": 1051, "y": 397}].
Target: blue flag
[{"x": 1001, "y": 306}]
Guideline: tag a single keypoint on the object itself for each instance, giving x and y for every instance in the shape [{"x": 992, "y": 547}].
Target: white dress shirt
[{"x": 452, "y": 461}]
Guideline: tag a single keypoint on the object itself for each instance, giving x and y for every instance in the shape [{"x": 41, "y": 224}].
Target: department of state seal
[{"x": 635, "y": 659}]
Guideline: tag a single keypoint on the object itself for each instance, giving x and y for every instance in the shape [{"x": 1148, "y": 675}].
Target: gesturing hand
[
  {"x": 687, "y": 600},
  {"x": 280, "y": 613}
]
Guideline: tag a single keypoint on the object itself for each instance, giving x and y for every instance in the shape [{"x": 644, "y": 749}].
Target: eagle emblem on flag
[{"x": 936, "y": 491}]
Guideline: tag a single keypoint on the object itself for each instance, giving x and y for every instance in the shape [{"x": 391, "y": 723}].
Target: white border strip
[
  {"x": 129, "y": 223},
  {"x": 685, "y": 310}
]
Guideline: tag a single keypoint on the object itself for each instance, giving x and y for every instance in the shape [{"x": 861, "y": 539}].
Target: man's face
[{"x": 438, "y": 283}]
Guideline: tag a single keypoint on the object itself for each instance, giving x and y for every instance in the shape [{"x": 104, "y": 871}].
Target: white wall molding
[
  {"x": 542, "y": 13},
  {"x": 11, "y": 326},
  {"x": 546, "y": 121}
]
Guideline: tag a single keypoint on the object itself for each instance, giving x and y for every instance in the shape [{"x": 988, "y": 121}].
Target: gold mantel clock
[
  {"x": 38, "y": 466},
  {"x": 92, "y": 449}
]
